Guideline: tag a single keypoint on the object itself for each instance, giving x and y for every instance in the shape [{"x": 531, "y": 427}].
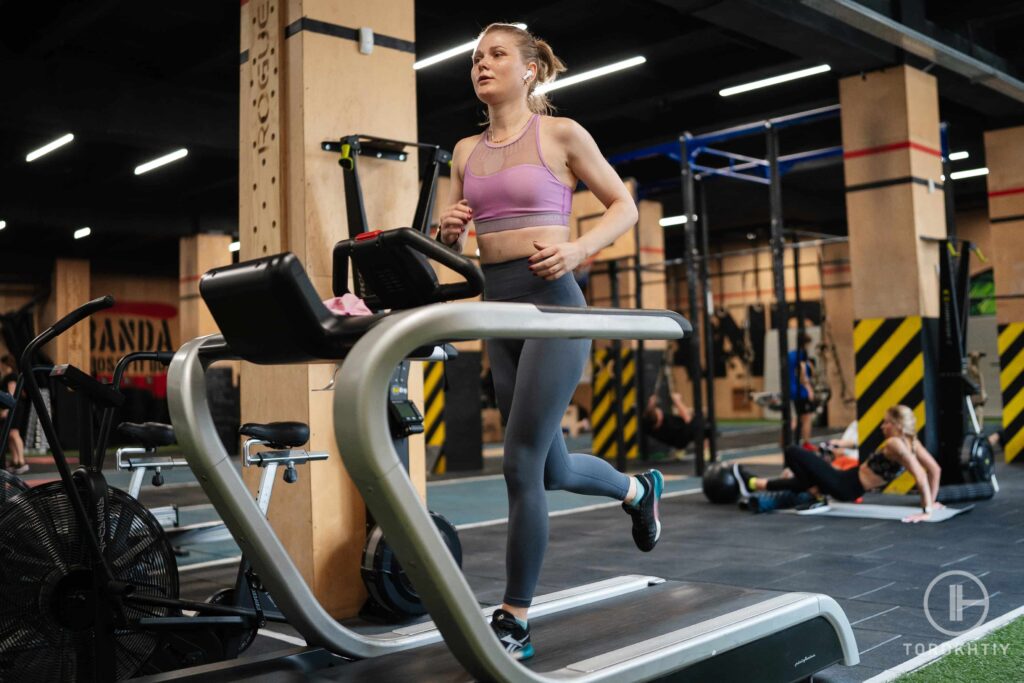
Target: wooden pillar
[
  {"x": 1003, "y": 153},
  {"x": 837, "y": 332},
  {"x": 70, "y": 289},
  {"x": 197, "y": 255},
  {"x": 892, "y": 165},
  {"x": 303, "y": 80}
]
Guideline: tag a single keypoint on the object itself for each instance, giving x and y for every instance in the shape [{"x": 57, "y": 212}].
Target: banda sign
[{"x": 132, "y": 326}]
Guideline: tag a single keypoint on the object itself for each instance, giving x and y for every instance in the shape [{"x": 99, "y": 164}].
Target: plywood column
[
  {"x": 198, "y": 254},
  {"x": 70, "y": 289},
  {"x": 303, "y": 80},
  {"x": 1004, "y": 154},
  {"x": 892, "y": 164},
  {"x": 837, "y": 332}
]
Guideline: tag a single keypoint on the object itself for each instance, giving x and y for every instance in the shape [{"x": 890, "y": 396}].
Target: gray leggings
[{"x": 534, "y": 379}]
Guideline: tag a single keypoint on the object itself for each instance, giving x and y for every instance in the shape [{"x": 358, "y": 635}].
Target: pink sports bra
[{"x": 509, "y": 186}]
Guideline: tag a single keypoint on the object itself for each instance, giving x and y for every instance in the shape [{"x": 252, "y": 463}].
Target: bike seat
[
  {"x": 277, "y": 434},
  {"x": 149, "y": 434}
]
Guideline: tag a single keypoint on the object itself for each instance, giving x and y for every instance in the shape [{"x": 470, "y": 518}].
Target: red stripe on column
[
  {"x": 1002, "y": 193},
  {"x": 906, "y": 144},
  {"x": 143, "y": 308}
]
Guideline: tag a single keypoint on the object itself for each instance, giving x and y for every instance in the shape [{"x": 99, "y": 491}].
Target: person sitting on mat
[
  {"x": 515, "y": 182},
  {"x": 842, "y": 452},
  {"x": 673, "y": 428},
  {"x": 900, "y": 450}
]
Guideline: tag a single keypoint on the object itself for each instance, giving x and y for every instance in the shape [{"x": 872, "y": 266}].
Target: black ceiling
[{"x": 135, "y": 80}]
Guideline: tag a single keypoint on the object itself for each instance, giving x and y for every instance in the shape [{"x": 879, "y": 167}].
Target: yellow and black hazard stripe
[
  {"x": 889, "y": 357},
  {"x": 604, "y": 412},
  {"x": 433, "y": 413},
  {"x": 1011, "y": 381}
]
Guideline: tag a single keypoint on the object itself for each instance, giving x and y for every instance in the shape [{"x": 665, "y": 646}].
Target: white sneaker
[{"x": 744, "y": 491}]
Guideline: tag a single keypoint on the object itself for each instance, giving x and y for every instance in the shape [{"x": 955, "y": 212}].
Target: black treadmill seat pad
[
  {"x": 278, "y": 434},
  {"x": 149, "y": 434}
]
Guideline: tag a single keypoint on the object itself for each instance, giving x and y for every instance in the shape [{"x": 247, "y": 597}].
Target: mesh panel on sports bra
[{"x": 488, "y": 159}]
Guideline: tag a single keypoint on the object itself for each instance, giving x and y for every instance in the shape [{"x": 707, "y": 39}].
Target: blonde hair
[
  {"x": 903, "y": 417},
  {"x": 532, "y": 49}
]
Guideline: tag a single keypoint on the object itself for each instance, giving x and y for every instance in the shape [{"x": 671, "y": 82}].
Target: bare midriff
[
  {"x": 868, "y": 479},
  {"x": 498, "y": 247}
]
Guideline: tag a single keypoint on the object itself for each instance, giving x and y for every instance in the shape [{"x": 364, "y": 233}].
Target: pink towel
[{"x": 347, "y": 304}]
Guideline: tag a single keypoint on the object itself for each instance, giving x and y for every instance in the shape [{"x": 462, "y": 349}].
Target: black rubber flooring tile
[
  {"x": 869, "y": 641},
  {"x": 846, "y": 674},
  {"x": 909, "y": 621},
  {"x": 857, "y": 610},
  {"x": 899, "y": 593},
  {"x": 890, "y": 651},
  {"x": 835, "y": 585},
  {"x": 919, "y": 572},
  {"x": 1010, "y": 582},
  {"x": 740, "y": 575},
  {"x": 829, "y": 563}
]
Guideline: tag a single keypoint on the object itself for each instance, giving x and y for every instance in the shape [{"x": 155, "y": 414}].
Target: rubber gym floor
[{"x": 878, "y": 571}]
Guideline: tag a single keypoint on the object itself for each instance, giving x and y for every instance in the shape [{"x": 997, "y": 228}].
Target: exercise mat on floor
[{"x": 869, "y": 511}]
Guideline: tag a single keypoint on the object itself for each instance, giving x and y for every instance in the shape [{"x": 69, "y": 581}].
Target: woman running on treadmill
[
  {"x": 515, "y": 182},
  {"x": 900, "y": 451}
]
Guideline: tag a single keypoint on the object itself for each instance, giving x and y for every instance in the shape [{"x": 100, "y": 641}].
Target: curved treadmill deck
[{"x": 700, "y": 617}]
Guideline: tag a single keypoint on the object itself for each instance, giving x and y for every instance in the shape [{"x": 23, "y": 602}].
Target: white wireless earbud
[{"x": 527, "y": 75}]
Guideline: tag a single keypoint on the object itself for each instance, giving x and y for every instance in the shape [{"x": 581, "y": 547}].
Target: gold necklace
[{"x": 519, "y": 130}]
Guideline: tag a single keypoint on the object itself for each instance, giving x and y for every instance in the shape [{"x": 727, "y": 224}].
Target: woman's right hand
[{"x": 453, "y": 222}]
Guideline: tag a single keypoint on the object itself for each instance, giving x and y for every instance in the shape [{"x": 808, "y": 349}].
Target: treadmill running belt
[{"x": 587, "y": 635}]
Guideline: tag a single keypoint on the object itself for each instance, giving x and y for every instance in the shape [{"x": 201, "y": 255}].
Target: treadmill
[{"x": 633, "y": 628}]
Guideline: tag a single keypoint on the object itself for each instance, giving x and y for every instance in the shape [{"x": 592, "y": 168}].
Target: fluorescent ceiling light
[
  {"x": 957, "y": 156},
  {"x": 82, "y": 232},
  {"x": 774, "y": 80},
  {"x": 3, "y": 224},
  {"x": 451, "y": 52},
  {"x": 49, "y": 147},
  {"x": 674, "y": 220},
  {"x": 587, "y": 75},
  {"x": 165, "y": 159},
  {"x": 235, "y": 246},
  {"x": 970, "y": 173}
]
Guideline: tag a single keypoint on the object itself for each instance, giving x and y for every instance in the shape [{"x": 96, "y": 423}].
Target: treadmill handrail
[{"x": 361, "y": 424}]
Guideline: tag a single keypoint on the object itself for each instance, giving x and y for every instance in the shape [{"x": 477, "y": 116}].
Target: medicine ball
[
  {"x": 720, "y": 486},
  {"x": 976, "y": 459}
]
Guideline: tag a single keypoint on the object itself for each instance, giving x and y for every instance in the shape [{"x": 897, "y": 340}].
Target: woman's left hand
[
  {"x": 555, "y": 260},
  {"x": 919, "y": 517}
]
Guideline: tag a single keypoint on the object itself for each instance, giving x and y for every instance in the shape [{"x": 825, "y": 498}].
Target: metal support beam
[
  {"x": 690, "y": 259},
  {"x": 893, "y": 32},
  {"x": 709, "y": 346},
  {"x": 778, "y": 246}
]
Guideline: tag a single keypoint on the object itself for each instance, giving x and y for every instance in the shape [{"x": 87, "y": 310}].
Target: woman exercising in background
[
  {"x": 515, "y": 181},
  {"x": 900, "y": 450}
]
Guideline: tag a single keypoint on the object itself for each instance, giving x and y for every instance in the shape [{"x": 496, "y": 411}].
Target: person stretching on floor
[
  {"x": 515, "y": 182},
  {"x": 900, "y": 450},
  {"x": 675, "y": 428}
]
